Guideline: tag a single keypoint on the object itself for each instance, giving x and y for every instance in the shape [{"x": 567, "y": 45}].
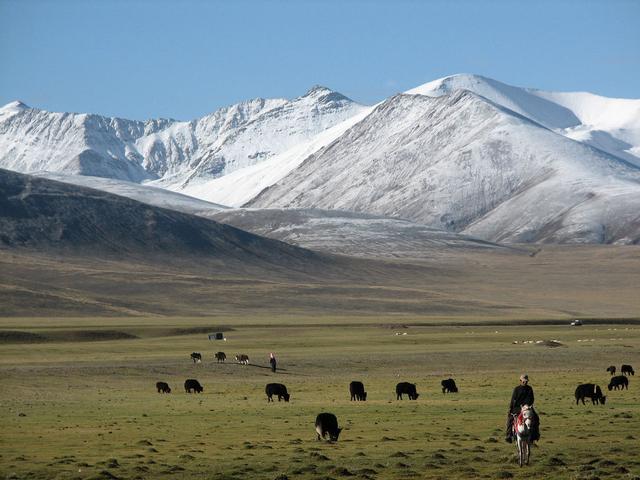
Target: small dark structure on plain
[
  {"x": 163, "y": 387},
  {"x": 327, "y": 424},
  {"x": 192, "y": 385},
  {"x": 406, "y": 388},
  {"x": 449, "y": 386},
  {"x": 592, "y": 391},
  {"x": 620, "y": 382},
  {"x": 217, "y": 336},
  {"x": 356, "y": 389},
  {"x": 276, "y": 389}
]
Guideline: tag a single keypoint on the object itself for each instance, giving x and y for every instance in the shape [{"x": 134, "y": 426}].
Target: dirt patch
[
  {"x": 196, "y": 330},
  {"x": 88, "y": 335},
  {"x": 504, "y": 474},
  {"x": 17, "y": 336},
  {"x": 555, "y": 462}
]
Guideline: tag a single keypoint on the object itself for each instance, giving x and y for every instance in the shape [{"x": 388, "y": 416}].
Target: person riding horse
[{"x": 522, "y": 395}]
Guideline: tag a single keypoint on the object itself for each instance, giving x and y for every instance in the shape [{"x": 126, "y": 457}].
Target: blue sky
[{"x": 182, "y": 59}]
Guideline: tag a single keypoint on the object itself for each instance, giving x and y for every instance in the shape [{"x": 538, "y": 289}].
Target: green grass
[{"x": 91, "y": 407}]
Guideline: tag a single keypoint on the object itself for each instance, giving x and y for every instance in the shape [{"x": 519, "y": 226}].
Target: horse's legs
[
  {"x": 519, "y": 445},
  {"x": 528, "y": 451}
]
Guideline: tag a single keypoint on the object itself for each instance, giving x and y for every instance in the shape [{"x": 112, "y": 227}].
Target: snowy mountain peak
[
  {"x": 455, "y": 161},
  {"x": 324, "y": 95},
  {"x": 170, "y": 152},
  {"x": 12, "y": 108},
  {"x": 15, "y": 105},
  {"x": 269, "y": 133},
  {"x": 608, "y": 124},
  {"x": 459, "y": 81},
  {"x": 318, "y": 90}
]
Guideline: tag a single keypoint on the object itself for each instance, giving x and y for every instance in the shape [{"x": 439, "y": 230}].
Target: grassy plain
[{"x": 78, "y": 409}]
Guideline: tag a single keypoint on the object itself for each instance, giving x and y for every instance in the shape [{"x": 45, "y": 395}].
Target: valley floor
[
  {"x": 522, "y": 282},
  {"x": 74, "y": 408}
]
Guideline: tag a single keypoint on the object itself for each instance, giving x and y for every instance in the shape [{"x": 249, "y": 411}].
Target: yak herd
[
  {"x": 594, "y": 392},
  {"x": 327, "y": 424}
]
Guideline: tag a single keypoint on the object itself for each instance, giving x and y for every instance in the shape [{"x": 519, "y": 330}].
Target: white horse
[{"x": 522, "y": 424}]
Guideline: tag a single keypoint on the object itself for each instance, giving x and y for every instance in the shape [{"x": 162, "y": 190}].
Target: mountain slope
[
  {"x": 354, "y": 234},
  {"x": 240, "y": 186},
  {"x": 50, "y": 216},
  {"x": 450, "y": 161},
  {"x": 610, "y": 124},
  {"x": 159, "y": 197},
  {"x": 270, "y": 133},
  {"x": 170, "y": 152},
  {"x": 33, "y": 140}
]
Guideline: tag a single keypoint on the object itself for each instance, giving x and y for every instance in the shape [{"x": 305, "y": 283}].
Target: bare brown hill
[
  {"x": 72, "y": 251},
  {"x": 49, "y": 216}
]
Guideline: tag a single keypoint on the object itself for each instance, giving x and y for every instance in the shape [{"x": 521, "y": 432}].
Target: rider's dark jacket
[{"x": 522, "y": 395}]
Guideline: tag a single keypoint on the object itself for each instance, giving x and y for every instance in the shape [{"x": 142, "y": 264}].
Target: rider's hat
[{"x": 524, "y": 378}]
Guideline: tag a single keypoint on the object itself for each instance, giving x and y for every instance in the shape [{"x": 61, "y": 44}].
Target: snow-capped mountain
[
  {"x": 242, "y": 185},
  {"x": 172, "y": 153},
  {"x": 34, "y": 140},
  {"x": 463, "y": 153},
  {"x": 609, "y": 124},
  {"x": 466, "y": 164}
]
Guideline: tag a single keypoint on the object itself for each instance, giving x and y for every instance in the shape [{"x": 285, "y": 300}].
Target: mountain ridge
[
  {"x": 545, "y": 166},
  {"x": 609, "y": 124},
  {"x": 167, "y": 151},
  {"x": 447, "y": 162}
]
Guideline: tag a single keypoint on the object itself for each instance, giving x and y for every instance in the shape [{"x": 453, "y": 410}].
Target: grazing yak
[
  {"x": 163, "y": 387},
  {"x": 220, "y": 357},
  {"x": 327, "y": 423},
  {"x": 356, "y": 389},
  {"x": 611, "y": 369},
  {"x": 276, "y": 389},
  {"x": 592, "y": 391},
  {"x": 620, "y": 382},
  {"x": 196, "y": 357},
  {"x": 627, "y": 370},
  {"x": 242, "y": 359},
  {"x": 193, "y": 386},
  {"x": 449, "y": 386},
  {"x": 408, "y": 389}
]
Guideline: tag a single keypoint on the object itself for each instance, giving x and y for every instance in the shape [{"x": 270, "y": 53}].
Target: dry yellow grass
[{"x": 558, "y": 282}]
